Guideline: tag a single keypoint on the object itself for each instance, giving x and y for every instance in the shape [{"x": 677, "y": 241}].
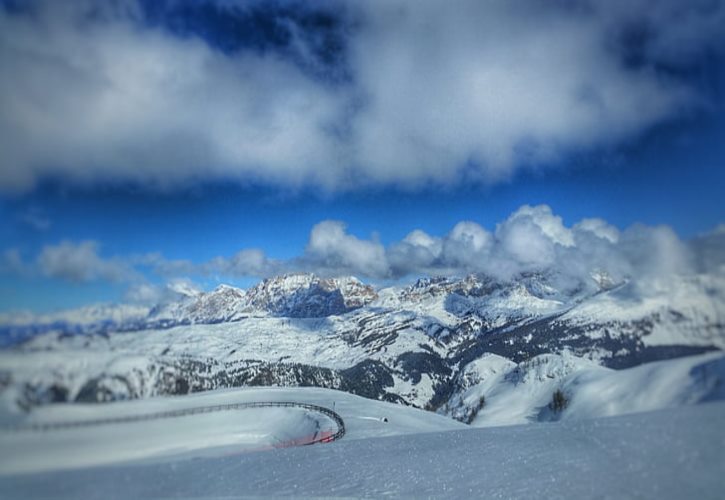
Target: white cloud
[
  {"x": 521, "y": 242},
  {"x": 466, "y": 246},
  {"x": 417, "y": 252},
  {"x": 599, "y": 228},
  {"x": 541, "y": 216},
  {"x": 532, "y": 239},
  {"x": 152, "y": 294},
  {"x": 248, "y": 262},
  {"x": 332, "y": 250},
  {"x": 655, "y": 251},
  {"x": 496, "y": 83},
  {"x": 149, "y": 107},
  {"x": 709, "y": 250},
  {"x": 436, "y": 93},
  {"x": 80, "y": 262}
]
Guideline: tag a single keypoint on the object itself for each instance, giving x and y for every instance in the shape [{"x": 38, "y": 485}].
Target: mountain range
[{"x": 424, "y": 345}]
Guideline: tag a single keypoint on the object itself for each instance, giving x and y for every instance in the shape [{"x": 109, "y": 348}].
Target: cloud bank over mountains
[
  {"x": 532, "y": 239},
  {"x": 338, "y": 95}
]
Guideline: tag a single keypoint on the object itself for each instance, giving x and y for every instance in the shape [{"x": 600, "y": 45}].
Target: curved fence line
[{"x": 51, "y": 426}]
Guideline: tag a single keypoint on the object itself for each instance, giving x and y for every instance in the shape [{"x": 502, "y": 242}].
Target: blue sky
[{"x": 280, "y": 119}]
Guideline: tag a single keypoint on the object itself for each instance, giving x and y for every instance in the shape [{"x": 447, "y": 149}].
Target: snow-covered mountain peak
[
  {"x": 288, "y": 282},
  {"x": 222, "y": 288},
  {"x": 227, "y": 291},
  {"x": 224, "y": 303},
  {"x": 355, "y": 292},
  {"x": 540, "y": 285},
  {"x": 307, "y": 295},
  {"x": 517, "y": 318}
]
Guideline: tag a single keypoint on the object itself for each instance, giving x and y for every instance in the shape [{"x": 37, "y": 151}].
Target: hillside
[{"x": 570, "y": 459}]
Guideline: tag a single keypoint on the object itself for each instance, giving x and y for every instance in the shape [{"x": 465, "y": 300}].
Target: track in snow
[{"x": 321, "y": 438}]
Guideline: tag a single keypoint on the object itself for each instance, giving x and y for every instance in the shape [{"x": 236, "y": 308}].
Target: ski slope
[
  {"x": 674, "y": 450},
  {"x": 204, "y": 434},
  {"x": 677, "y": 453}
]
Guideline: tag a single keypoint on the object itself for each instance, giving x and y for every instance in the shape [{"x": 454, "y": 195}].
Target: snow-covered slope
[
  {"x": 209, "y": 434},
  {"x": 667, "y": 454},
  {"x": 290, "y": 295},
  {"x": 410, "y": 345},
  {"x": 224, "y": 303},
  {"x": 495, "y": 391},
  {"x": 257, "y": 351},
  {"x": 691, "y": 311}
]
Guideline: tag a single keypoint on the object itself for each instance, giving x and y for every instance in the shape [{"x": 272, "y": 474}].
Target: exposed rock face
[{"x": 308, "y": 296}]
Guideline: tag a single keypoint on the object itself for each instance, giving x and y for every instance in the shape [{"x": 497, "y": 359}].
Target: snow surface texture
[
  {"x": 212, "y": 434},
  {"x": 667, "y": 454}
]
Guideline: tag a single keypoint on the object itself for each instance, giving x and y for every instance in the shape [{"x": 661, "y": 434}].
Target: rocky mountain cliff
[{"x": 308, "y": 296}]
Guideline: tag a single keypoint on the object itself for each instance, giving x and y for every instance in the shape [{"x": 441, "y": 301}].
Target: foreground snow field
[
  {"x": 201, "y": 435},
  {"x": 677, "y": 453}
]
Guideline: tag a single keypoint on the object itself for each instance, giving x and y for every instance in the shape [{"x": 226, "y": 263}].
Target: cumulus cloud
[
  {"x": 148, "y": 106},
  {"x": 413, "y": 92},
  {"x": 710, "y": 250},
  {"x": 466, "y": 246},
  {"x": 417, "y": 252},
  {"x": 597, "y": 227},
  {"x": 533, "y": 239},
  {"x": 248, "y": 262},
  {"x": 80, "y": 262},
  {"x": 149, "y": 293},
  {"x": 333, "y": 251},
  {"x": 655, "y": 251}
]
